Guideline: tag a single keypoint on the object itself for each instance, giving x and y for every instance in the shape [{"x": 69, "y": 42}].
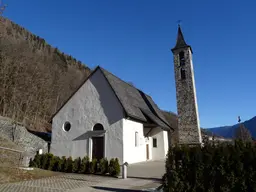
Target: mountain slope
[
  {"x": 35, "y": 78},
  {"x": 228, "y": 131}
]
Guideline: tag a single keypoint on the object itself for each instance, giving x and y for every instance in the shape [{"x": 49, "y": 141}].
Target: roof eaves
[
  {"x": 132, "y": 117},
  {"x": 182, "y": 47},
  {"x": 156, "y": 118},
  {"x": 165, "y": 122}
]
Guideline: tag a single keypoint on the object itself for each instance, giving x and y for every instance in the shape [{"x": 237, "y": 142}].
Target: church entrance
[
  {"x": 98, "y": 142},
  {"x": 98, "y": 147}
]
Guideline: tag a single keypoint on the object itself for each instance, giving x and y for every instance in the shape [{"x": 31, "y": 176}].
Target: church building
[{"x": 108, "y": 117}]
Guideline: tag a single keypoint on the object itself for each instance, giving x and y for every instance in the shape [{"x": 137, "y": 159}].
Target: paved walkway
[
  {"x": 153, "y": 170},
  {"x": 78, "y": 183},
  {"x": 141, "y": 176}
]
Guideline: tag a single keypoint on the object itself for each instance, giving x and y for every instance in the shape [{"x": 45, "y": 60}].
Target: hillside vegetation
[{"x": 35, "y": 78}]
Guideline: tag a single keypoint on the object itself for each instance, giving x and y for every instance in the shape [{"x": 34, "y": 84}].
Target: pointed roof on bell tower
[{"x": 180, "y": 42}]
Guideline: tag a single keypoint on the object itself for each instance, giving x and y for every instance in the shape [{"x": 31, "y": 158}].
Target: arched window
[
  {"x": 182, "y": 58},
  {"x": 136, "y": 139},
  {"x": 182, "y": 73},
  {"x": 98, "y": 127}
]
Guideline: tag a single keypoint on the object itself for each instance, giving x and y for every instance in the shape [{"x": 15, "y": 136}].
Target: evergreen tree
[
  {"x": 68, "y": 165},
  {"x": 93, "y": 166},
  {"x": 84, "y": 167},
  {"x": 76, "y": 165}
]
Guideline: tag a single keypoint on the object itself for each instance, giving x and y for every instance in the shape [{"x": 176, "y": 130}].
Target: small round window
[{"x": 66, "y": 126}]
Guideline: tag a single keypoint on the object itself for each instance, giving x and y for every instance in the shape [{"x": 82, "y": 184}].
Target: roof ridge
[
  {"x": 124, "y": 81},
  {"x": 140, "y": 91}
]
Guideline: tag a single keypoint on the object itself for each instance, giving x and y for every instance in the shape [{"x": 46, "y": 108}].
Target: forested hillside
[{"x": 35, "y": 78}]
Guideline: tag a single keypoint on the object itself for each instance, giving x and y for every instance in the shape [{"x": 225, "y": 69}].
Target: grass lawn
[
  {"x": 8, "y": 174},
  {"x": 9, "y": 161}
]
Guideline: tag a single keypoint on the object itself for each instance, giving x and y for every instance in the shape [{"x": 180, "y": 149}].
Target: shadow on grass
[{"x": 116, "y": 189}]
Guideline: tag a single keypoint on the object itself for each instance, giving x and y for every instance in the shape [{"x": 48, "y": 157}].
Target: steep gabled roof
[{"x": 136, "y": 104}]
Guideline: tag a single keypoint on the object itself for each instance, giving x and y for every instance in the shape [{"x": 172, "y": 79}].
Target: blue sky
[{"x": 132, "y": 39}]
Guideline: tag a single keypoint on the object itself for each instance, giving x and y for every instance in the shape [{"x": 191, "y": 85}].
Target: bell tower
[{"x": 188, "y": 119}]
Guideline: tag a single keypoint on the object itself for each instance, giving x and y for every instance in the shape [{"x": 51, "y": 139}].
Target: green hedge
[
  {"x": 78, "y": 165},
  {"x": 223, "y": 167}
]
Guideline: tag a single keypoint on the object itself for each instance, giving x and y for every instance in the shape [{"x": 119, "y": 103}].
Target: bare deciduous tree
[
  {"x": 34, "y": 80},
  {"x": 2, "y": 7},
  {"x": 242, "y": 133},
  {"x": 14, "y": 127}
]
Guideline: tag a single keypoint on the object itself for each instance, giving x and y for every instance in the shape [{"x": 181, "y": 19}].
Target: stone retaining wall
[{"x": 18, "y": 134}]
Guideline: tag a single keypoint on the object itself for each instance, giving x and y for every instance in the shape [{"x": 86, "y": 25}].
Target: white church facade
[{"x": 107, "y": 117}]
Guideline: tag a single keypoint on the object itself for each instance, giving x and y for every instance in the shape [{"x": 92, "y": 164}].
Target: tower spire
[
  {"x": 188, "y": 117},
  {"x": 180, "y": 42}
]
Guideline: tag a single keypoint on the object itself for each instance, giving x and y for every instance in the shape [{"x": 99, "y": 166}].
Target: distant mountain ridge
[{"x": 229, "y": 131}]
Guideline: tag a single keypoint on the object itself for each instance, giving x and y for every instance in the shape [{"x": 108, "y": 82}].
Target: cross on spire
[{"x": 179, "y": 22}]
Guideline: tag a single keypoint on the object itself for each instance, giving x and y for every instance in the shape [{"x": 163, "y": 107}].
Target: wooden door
[
  {"x": 147, "y": 151},
  {"x": 98, "y": 147}
]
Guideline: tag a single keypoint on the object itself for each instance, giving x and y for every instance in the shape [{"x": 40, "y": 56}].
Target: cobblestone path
[{"x": 66, "y": 182}]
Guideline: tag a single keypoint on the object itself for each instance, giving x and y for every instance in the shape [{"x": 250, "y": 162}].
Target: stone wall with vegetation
[
  {"x": 18, "y": 134},
  {"x": 222, "y": 167}
]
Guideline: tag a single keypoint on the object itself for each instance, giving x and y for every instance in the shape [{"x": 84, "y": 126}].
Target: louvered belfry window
[{"x": 182, "y": 58}]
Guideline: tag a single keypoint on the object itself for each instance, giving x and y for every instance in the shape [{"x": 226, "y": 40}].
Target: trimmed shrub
[
  {"x": 31, "y": 163},
  {"x": 76, "y": 165},
  {"x": 37, "y": 161},
  {"x": 93, "y": 166},
  {"x": 117, "y": 167},
  {"x": 103, "y": 166},
  {"x": 68, "y": 167},
  {"x": 54, "y": 163},
  {"x": 111, "y": 166},
  {"x": 114, "y": 167},
  {"x": 61, "y": 164},
  {"x": 84, "y": 168},
  {"x": 45, "y": 160},
  {"x": 222, "y": 167}
]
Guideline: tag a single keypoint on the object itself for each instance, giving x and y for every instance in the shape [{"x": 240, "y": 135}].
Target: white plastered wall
[
  {"x": 93, "y": 103},
  {"x": 135, "y": 154}
]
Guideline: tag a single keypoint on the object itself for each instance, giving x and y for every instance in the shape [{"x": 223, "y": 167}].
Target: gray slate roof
[
  {"x": 180, "y": 42},
  {"x": 136, "y": 103}
]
